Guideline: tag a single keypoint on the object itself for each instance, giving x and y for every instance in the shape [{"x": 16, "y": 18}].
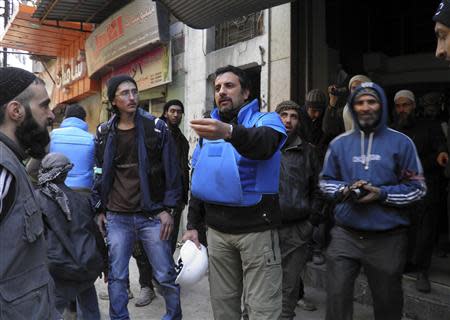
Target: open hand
[{"x": 211, "y": 129}]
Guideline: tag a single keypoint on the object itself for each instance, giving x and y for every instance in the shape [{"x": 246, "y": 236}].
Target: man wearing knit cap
[
  {"x": 300, "y": 205},
  {"x": 371, "y": 173},
  {"x": 24, "y": 117},
  {"x": 430, "y": 143},
  {"x": 315, "y": 104},
  {"x": 139, "y": 187},
  {"x": 442, "y": 30}
]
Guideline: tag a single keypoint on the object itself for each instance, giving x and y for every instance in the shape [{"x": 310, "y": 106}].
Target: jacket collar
[
  {"x": 293, "y": 142},
  {"x": 18, "y": 151},
  {"x": 74, "y": 122}
]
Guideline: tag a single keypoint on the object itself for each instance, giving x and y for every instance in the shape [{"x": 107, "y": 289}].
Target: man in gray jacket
[{"x": 26, "y": 288}]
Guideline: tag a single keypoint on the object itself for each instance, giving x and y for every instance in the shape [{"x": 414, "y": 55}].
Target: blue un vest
[{"x": 222, "y": 176}]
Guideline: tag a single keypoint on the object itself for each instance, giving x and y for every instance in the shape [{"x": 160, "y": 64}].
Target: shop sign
[
  {"x": 73, "y": 71},
  {"x": 124, "y": 35},
  {"x": 150, "y": 70}
]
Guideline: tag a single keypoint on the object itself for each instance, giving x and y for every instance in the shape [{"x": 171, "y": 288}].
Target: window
[{"x": 239, "y": 29}]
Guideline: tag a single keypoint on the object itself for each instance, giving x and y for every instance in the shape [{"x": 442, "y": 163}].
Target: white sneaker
[
  {"x": 146, "y": 295},
  {"x": 105, "y": 296}
]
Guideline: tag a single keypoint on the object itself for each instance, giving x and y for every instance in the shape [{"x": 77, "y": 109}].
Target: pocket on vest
[{"x": 34, "y": 225}]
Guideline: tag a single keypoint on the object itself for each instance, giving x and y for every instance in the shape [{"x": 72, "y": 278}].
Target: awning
[
  {"x": 28, "y": 34},
  {"x": 202, "y": 14},
  {"x": 92, "y": 11}
]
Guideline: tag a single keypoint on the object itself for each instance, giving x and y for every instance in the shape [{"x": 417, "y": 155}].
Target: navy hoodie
[{"x": 384, "y": 157}]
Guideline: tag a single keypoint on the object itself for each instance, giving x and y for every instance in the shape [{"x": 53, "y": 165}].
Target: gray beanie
[
  {"x": 367, "y": 91},
  {"x": 316, "y": 99},
  {"x": 287, "y": 105}
]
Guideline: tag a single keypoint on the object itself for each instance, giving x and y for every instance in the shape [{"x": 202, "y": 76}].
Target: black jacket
[
  {"x": 299, "y": 194},
  {"x": 182, "y": 147}
]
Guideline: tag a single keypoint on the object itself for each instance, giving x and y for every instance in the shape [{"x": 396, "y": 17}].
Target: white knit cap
[
  {"x": 358, "y": 77},
  {"x": 405, "y": 94}
]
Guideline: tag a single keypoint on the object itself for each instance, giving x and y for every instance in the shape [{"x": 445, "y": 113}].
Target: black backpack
[{"x": 76, "y": 249}]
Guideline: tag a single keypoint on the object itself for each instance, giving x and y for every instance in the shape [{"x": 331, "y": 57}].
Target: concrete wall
[
  {"x": 93, "y": 106},
  {"x": 280, "y": 55}
]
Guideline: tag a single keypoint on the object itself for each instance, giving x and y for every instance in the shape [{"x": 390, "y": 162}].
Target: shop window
[{"x": 239, "y": 29}]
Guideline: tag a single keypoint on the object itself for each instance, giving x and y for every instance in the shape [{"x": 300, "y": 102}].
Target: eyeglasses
[{"x": 127, "y": 93}]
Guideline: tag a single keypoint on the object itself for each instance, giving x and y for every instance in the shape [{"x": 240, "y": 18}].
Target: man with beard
[
  {"x": 430, "y": 143},
  {"x": 300, "y": 205},
  {"x": 372, "y": 172},
  {"x": 24, "y": 117},
  {"x": 235, "y": 179}
]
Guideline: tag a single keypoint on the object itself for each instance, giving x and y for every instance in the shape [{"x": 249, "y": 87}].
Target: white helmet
[{"x": 192, "y": 264}]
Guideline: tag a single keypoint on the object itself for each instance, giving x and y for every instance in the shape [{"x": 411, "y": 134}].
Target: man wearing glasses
[{"x": 138, "y": 187}]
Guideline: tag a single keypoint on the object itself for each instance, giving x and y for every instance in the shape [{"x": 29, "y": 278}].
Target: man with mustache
[
  {"x": 430, "y": 143},
  {"x": 373, "y": 173},
  {"x": 300, "y": 204},
  {"x": 235, "y": 179},
  {"x": 24, "y": 117},
  {"x": 139, "y": 187}
]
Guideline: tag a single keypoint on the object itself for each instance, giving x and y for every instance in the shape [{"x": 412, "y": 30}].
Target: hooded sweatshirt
[{"x": 385, "y": 158}]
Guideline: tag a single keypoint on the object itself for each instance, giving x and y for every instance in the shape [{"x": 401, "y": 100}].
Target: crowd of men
[{"x": 266, "y": 190}]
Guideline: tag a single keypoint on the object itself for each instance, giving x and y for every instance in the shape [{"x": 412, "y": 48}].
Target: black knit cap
[
  {"x": 114, "y": 82},
  {"x": 316, "y": 99},
  {"x": 442, "y": 14},
  {"x": 75, "y": 110},
  {"x": 13, "y": 81}
]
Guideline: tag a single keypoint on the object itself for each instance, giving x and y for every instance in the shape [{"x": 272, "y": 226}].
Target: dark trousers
[
  {"x": 426, "y": 238},
  {"x": 294, "y": 254},
  {"x": 383, "y": 257}
]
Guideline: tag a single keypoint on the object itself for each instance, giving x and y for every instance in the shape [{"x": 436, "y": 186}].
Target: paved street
[{"x": 196, "y": 306}]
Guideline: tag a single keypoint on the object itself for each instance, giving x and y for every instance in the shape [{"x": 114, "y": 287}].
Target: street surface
[{"x": 196, "y": 306}]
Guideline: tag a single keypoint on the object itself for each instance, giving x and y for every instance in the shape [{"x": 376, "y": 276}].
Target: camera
[
  {"x": 358, "y": 193},
  {"x": 339, "y": 91}
]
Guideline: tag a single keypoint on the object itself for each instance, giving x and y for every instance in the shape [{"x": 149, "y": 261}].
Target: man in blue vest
[
  {"x": 26, "y": 288},
  {"x": 236, "y": 168},
  {"x": 74, "y": 141}
]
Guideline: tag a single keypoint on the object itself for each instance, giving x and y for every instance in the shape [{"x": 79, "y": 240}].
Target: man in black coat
[
  {"x": 430, "y": 143},
  {"x": 300, "y": 206}
]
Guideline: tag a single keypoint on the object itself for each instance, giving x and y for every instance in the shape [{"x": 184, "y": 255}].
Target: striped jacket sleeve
[
  {"x": 411, "y": 186},
  {"x": 5, "y": 182},
  {"x": 330, "y": 178}
]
